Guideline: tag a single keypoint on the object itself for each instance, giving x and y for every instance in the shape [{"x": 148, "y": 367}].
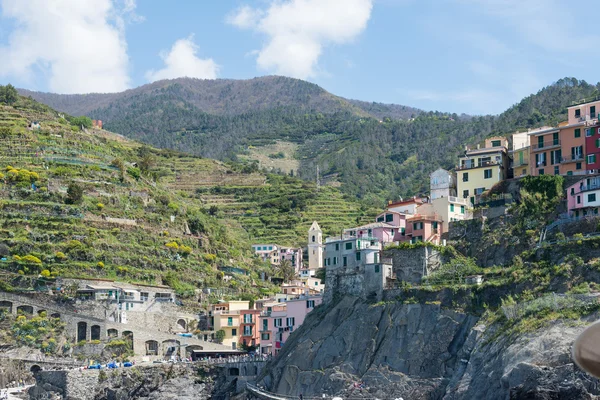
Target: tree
[
  {"x": 219, "y": 336},
  {"x": 8, "y": 94},
  {"x": 286, "y": 270},
  {"x": 74, "y": 193},
  {"x": 84, "y": 121}
]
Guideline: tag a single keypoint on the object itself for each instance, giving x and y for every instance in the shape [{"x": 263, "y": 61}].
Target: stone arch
[
  {"x": 112, "y": 333},
  {"x": 40, "y": 311},
  {"x": 55, "y": 315},
  {"x": 81, "y": 331},
  {"x": 95, "y": 332},
  {"x": 35, "y": 369},
  {"x": 151, "y": 348},
  {"x": 170, "y": 347},
  {"x": 234, "y": 371},
  {"x": 25, "y": 310},
  {"x": 7, "y": 305},
  {"x": 181, "y": 323},
  {"x": 128, "y": 336}
]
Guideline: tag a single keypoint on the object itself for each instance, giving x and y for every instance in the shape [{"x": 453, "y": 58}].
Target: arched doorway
[
  {"x": 128, "y": 336},
  {"x": 81, "y": 331},
  {"x": 112, "y": 333},
  {"x": 95, "y": 332},
  {"x": 7, "y": 305},
  {"x": 181, "y": 323},
  {"x": 35, "y": 369},
  {"x": 25, "y": 310},
  {"x": 151, "y": 348}
]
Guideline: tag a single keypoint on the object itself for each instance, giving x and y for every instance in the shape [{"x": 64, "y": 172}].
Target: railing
[
  {"x": 517, "y": 164},
  {"x": 544, "y": 145},
  {"x": 572, "y": 158},
  {"x": 479, "y": 165},
  {"x": 453, "y": 199},
  {"x": 593, "y": 186}
]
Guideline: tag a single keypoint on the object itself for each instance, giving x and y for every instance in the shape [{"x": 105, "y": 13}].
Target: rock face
[{"x": 419, "y": 351}]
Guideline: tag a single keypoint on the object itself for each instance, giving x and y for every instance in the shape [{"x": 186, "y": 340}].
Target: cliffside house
[
  {"x": 442, "y": 183},
  {"x": 226, "y": 316},
  {"x": 481, "y": 167},
  {"x": 583, "y": 197}
]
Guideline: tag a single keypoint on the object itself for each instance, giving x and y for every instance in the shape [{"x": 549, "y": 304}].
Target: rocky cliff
[{"x": 420, "y": 351}]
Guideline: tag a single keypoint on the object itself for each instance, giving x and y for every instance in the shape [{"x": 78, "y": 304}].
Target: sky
[{"x": 463, "y": 56}]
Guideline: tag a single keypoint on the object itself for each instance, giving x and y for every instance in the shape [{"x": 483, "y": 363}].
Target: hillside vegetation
[
  {"x": 364, "y": 147},
  {"x": 90, "y": 203}
]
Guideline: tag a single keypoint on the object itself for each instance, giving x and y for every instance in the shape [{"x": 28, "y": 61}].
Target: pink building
[
  {"x": 249, "y": 334},
  {"x": 423, "y": 228},
  {"x": 583, "y": 198},
  {"x": 278, "y": 320},
  {"x": 382, "y": 231}
]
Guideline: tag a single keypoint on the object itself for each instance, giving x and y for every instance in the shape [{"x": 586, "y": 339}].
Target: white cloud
[
  {"x": 78, "y": 44},
  {"x": 181, "y": 61},
  {"x": 297, "y": 31}
]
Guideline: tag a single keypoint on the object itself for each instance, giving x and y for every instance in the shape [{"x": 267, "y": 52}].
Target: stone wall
[
  {"x": 409, "y": 265},
  {"x": 344, "y": 281}
]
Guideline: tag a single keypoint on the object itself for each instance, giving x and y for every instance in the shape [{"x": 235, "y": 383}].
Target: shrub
[
  {"x": 45, "y": 273},
  {"x": 99, "y": 206},
  {"x": 100, "y": 264},
  {"x": 185, "y": 249},
  {"x": 31, "y": 259},
  {"x": 74, "y": 193},
  {"x": 172, "y": 245},
  {"x": 60, "y": 255}
]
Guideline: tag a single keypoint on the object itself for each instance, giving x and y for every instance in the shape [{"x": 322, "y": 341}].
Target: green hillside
[
  {"x": 374, "y": 152},
  {"x": 93, "y": 204}
]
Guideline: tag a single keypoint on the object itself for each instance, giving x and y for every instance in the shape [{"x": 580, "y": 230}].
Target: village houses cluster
[{"x": 571, "y": 148}]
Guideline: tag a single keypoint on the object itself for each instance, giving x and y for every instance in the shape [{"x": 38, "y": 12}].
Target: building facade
[
  {"x": 315, "y": 247},
  {"x": 442, "y": 183},
  {"x": 482, "y": 167},
  {"x": 583, "y": 198},
  {"x": 519, "y": 154}
]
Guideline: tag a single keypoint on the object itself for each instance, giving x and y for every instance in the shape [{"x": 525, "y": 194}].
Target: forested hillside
[{"x": 363, "y": 146}]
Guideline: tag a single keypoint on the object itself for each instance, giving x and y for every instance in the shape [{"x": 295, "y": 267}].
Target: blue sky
[{"x": 472, "y": 56}]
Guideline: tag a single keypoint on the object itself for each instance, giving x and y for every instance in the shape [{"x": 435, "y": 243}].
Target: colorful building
[
  {"x": 592, "y": 149},
  {"x": 519, "y": 154},
  {"x": 272, "y": 331},
  {"x": 383, "y": 232},
  {"x": 349, "y": 251},
  {"x": 583, "y": 198},
  {"x": 226, "y": 317},
  {"x": 423, "y": 228},
  {"x": 482, "y": 167},
  {"x": 449, "y": 209},
  {"x": 442, "y": 183},
  {"x": 249, "y": 333},
  {"x": 315, "y": 250}
]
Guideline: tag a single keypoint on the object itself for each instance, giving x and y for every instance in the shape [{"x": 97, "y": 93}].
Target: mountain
[
  {"x": 91, "y": 203},
  {"x": 373, "y": 151}
]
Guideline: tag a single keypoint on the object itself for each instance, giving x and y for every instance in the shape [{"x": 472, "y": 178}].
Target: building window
[
  {"x": 577, "y": 113},
  {"x": 578, "y": 199},
  {"x": 389, "y": 217},
  {"x": 358, "y": 256},
  {"x": 540, "y": 172},
  {"x": 229, "y": 321},
  {"x": 310, "y": 304},
  {"x": 380, "y": 219},
  {"x": 496, "y": 143},
  {"x": 345, "y": 261},
  {"x": 555, "y": 157},
  {"x": 572, "y": 191},
  {"x": 555, "y": 138},
  {"x": 265, "y": 324},
  {"x": 417, "y": 226},
  {"x": 598, "y": 143},
  {"x": 588, "y": 132},
  {"x": 556, "y": 170},
  {"x": 591, "y": 159},
  {"x": 592, "y": 197},
  {"x": 265, "y": 336},
  {"x": 578, "y": 166},
  {"x": 465, "y": 177},
  {"x": 593, "y": 112},
  {"x": 349, "y": 246},
  {"x": 451, "y": 207},
  {"x": 337, "y": 247},
  {"x": 334, "y": 260},
  {"x": 487, "y": 174},
  {"x": 465, "y": 194},
  {"x": 377, "y": 268},
  {"x": 234, "y": 332},
  {"x": 290, "y": 321},
  {"x": 462, "y": 209},
  {"x": 577, "y": 132},
  {"x": 277, "y": 323}
]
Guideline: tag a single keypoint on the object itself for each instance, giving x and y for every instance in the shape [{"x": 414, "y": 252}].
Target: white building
[
  {"x": 442, "y": 183},
  {"x": 315, "y": 249}
]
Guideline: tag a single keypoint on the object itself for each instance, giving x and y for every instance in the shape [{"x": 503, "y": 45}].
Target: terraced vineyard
[{"x": 144, "y": 215}]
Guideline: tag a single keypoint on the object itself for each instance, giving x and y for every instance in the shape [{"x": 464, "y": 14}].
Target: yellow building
[
  {"x": 519, "y": 154},
  {"x": 226, "y": 317},
  {"x": 448, "y": 209},
  {"x": 482, "y": 167}
]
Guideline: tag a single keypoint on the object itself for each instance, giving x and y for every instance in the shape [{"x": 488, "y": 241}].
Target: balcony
[
  {"x": 458, "y": 200},
  {"x": 546, "y": 145},
  {"x": 587, "y": 188},
  {"x": 478, "y": 165},
  {"x": 571, "y": 159},
  {"x": 517, "y": 164}
]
